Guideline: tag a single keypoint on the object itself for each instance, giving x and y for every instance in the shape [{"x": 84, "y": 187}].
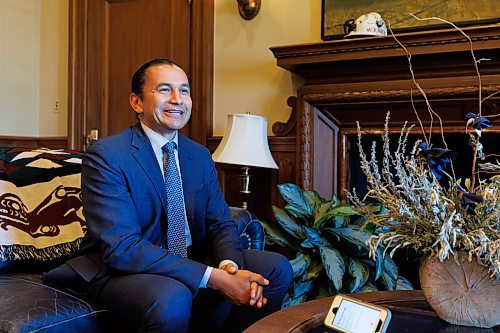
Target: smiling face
[{"x": 165, "y": 103}]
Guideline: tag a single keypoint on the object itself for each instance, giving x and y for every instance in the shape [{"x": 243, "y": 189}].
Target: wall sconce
[{"x": 248, "y": 8}]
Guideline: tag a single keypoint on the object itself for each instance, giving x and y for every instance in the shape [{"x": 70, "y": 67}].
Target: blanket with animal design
[{"x": 41, "y": 217}]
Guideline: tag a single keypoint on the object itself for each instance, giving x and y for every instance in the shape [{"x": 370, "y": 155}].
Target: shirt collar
[{"x": 158, "y": 140}]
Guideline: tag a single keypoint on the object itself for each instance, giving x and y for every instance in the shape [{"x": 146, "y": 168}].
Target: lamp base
[{"x": 245, "y": 186}]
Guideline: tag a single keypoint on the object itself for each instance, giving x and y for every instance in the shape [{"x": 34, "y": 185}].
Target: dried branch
[
  {"x": 479, "y": 82},
  {"x": 419, "y": 212}
]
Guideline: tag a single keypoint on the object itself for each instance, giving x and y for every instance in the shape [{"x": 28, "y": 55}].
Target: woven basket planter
[{"x": 462, "y": 292}]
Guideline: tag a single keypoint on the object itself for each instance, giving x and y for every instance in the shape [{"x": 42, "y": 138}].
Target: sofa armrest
[{"x": 250, "y": 229}]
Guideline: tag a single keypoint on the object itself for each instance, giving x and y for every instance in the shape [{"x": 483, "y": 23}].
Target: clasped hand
[{"x": 239, "y": 286}]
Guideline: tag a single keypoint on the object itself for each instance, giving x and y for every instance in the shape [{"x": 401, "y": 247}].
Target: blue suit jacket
[{"x": 124, "y": 202}]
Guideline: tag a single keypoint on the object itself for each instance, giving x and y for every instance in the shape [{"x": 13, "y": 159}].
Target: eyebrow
[{"x": 183, "y": 85}]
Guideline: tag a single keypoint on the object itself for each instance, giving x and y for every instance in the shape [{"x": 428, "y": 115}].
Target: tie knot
[{"x": 169, "y": 147}]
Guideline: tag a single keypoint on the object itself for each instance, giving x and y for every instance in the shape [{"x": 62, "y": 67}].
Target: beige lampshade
[{"x": 245, "y": 142}]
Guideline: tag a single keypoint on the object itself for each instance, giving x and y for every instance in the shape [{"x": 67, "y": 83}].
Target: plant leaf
[
  {"x": 359, "y": 272},
  {"x": 314, "y": 199},
  {"x": 379, "y": 262},
  {"x": 291, "y": 301},
  {"x": 390, "y": 273},
  {"x": 403, "y": 284},
  {"x": 323, "y": 290},
  {"x": 340, "y": 221},
  {"x": 315, "y": 237},
  {"x": 320, "y": 214},
  {"x": 343, "y": 210},
  {"x": 335, "y": 200},
  {"x": 334, "y": 265},
  {"x": 302, "y": 288},
  {"x": 339, "y": 210},
  {"x": 352, "y": 234},
  {"x": 368, "y": 287},
  {"x": 300, "y": 264},
  {"x": 275, "y": 234},
  {"x": 314, "y": 270},
  {"x": 289, "y": 224},
  {"x": 294, "y": 195},
  {"x": 307, "y": 244}
]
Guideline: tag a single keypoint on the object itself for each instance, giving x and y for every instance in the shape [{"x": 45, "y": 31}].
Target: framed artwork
[{"x": 396, "y": 13}]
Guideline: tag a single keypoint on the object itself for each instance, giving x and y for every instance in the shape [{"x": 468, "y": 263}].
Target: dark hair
[{"x": 138, "y": 78}]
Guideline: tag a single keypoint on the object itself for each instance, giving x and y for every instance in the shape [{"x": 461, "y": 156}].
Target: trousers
[{"x": 159, "y": 304}]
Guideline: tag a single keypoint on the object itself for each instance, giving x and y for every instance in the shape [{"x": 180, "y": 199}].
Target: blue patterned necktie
[{"x": 176, "y": 230}]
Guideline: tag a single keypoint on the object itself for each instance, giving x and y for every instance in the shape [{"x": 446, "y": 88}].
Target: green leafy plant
[{"x": 329, "y": 247}]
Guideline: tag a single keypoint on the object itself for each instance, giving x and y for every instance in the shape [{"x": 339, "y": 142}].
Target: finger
[
  {"x": 258, "y": 293},
  {"x": 261, "y": 302},
  {"x": 253, "y": 290},
  {"x": 256, "y": 301},
  {"x": 259, "y": 279},
  {"x": 230, "y": 268}
]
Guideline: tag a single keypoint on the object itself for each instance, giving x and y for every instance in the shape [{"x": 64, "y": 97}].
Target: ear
[{"x": 136, "y": 103}]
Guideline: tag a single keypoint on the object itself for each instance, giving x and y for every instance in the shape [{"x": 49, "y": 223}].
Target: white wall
[
  {"x": 53, "y": 67},
  {"x": 33, "y": 67},
  {"x": 245, "y": 70},
  {"x": 33, "y": 62}
]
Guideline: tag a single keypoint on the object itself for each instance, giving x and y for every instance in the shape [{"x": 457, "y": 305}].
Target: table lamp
[{"x": 245, "y": 143}]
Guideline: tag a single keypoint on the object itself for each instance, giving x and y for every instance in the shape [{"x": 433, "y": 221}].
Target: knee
[
  {"x": 170, "y": 311},
  {"x": 285, "y": 270},
  {"x": 282, "y": 273}
]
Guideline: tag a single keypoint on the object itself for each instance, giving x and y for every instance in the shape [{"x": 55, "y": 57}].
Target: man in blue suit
[{"x": 137, "y": 274}]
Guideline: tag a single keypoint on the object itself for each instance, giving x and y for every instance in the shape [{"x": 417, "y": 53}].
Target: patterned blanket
[{"x": 41, "y": 217}]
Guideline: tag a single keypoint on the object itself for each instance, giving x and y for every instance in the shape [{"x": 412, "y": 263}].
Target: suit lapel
[
  {"x": 144, "y": 155},
  {"x": 186, "y": 166}
]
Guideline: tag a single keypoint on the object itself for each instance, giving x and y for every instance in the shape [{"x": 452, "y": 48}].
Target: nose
[{"x": 175, "y": 97}]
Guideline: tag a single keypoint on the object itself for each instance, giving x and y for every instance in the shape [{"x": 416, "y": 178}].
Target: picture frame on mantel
[{"x": 397, "y": 14}]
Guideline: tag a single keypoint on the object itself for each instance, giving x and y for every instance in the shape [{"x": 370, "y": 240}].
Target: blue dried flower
[
  {"x": 470, "y": 200},
  {"x": 438, "y": 158},
  {"x": 479, "y": 123}
]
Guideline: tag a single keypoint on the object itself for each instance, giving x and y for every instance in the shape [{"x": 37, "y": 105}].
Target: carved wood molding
[
  {"x": 399, "y": 94},
  {"x": 284, "y": 129},
  {"x": 306, "y": 159},
  {"x": 34, "y": 142},
  {"x": 428, "y": 39},
  {"x": 387, "y": 46}
]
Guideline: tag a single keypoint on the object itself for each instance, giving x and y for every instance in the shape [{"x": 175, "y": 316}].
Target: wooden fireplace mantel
[{"x": 361, "y": 79}]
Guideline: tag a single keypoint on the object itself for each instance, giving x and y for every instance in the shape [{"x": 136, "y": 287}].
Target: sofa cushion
[
  {"x": 250, "y": 229},
  {"x": 41, "y": 220},
  {"x": 30, "y": 306}
]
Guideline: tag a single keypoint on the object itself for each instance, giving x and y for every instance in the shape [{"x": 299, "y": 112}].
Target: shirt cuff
[
  {"x": 227, "y": 261},
  {"x": 206, "y": 276}
]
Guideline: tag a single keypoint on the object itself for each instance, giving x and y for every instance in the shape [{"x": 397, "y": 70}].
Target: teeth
[{"x": 175, "y": 111}]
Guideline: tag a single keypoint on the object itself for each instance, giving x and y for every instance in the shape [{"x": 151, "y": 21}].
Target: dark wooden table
[{"x": 410, "y": 313}]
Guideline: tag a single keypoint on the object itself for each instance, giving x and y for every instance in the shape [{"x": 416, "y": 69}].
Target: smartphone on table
[{"x": 350, "y": 315}]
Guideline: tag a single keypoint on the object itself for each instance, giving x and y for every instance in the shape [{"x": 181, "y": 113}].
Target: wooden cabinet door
[{"x": 110, "y": 39}]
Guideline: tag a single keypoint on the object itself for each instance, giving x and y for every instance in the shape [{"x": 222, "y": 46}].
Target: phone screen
[{"x": 356, "y": 318}]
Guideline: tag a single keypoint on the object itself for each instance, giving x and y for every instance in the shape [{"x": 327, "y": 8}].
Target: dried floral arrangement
[{"x": 427, "y": 207}]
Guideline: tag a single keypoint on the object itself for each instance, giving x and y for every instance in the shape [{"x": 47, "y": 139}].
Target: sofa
[{"x": 41, "y": 226}]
